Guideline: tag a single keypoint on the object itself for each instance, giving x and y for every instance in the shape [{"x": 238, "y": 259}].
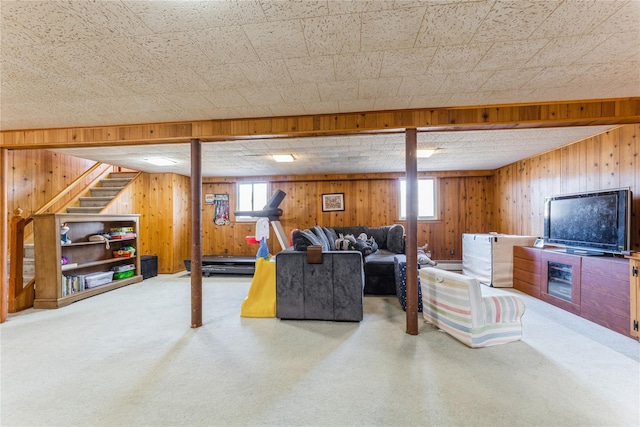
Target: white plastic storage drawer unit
[{"x": 489, "y": 257}]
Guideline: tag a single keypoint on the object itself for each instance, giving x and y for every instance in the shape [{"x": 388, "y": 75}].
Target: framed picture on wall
[{"x": 333, "y": 202}]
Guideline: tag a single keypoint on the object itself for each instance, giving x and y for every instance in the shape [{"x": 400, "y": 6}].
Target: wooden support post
[
  {"x": 4, "y": 235},
  {"x": 411, "y": 145},
  {"x": 196, "y": 233}
]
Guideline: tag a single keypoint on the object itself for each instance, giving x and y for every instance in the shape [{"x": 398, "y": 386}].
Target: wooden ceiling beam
[{"x": 511, "y": 116}]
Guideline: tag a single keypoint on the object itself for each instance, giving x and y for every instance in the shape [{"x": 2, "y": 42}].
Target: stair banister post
[{"x": 16, "y": 253}]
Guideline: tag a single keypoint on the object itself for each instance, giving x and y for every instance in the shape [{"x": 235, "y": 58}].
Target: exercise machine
[{"x": 230, "y": 264}]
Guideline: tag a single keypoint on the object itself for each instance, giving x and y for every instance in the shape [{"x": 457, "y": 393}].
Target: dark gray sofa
[{"x": 379, "y": 271}]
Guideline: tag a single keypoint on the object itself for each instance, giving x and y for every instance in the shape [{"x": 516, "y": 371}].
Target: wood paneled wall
[
  {"x": 465, "y": 206},
  {"x": 162, "y": 200},
  {"x": 35, "y": 176},
  {"x": 606, "y": 161}
]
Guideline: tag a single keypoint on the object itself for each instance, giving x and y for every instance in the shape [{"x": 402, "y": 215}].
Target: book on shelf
[{"x": 69, "y": 266}]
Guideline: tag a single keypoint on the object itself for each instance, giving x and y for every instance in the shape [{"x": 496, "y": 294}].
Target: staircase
[{"x": 101, "y": 195}]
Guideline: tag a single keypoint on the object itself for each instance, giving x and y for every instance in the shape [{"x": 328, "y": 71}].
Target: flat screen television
[{"x": 590, "y": 223}]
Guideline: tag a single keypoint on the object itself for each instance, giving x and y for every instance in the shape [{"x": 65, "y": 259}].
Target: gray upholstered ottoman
[{"x": 330, "y": 290}]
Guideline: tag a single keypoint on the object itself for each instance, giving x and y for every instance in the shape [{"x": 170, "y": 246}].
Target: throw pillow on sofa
[{"x": 395, "y": 239}]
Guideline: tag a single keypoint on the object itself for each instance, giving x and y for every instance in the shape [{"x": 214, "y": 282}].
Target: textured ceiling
[
  {"x": 472, "y": 150},
  {"x": 81, "y": 63}
]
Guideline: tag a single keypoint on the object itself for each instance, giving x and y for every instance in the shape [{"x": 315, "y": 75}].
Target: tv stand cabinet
[{"x": 593, "y": 287}]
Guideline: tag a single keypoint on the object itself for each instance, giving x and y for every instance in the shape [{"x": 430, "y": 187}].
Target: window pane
[
  {"x": 259, "y": 195},
  {"x": 426, "y": 198},
  {"x": 245, "y": 199}
]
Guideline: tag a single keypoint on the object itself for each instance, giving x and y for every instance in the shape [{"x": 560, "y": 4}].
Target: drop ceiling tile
[
  {"x": 503, "y": 80},
  {"x": 225, "y": 98},
  {"x": 336, "y": 91},
  {"x": 392, "y": 103},
  {"x": 565, "y": 50},
  {"x": 569, "y": 19},
  {"x": 430, "y": 101},
  {"x": 617, "y": 48},
  {"x": 225, "y": 13},
  {"x": 421, "y": 85},
  {"x": 280, "y": 10},
  {"x": 475, "y": 98},
  {"x": 391, "y": 29},
  {"x": 320, "y": 107},
  {"x": 174, "y": 50},
  {"x": 168, "y": 16},
  {"x": 358, "y": 66},
  {"x": 440, "y": 20},
  {"x": 261, "y": 95},
  {"x": 293, "y": 109},
  {"x": 510, "y": 54},
  {"x": 16, "y": 35},
  {"x": 277, "y": 40},
  {"x": 379, "y": 88},
  {"x": 464, "y": 82},
  {"x": 458, "y": 58},
  {"x": 511, "y": 96},
  {"x": 406, "y": 62},
  {"x": 253, "y": 111},
  {"x": 339, "y": 7},
  {"x": 628, "y": 16},
  {"x": 223, "y": 76},
  {"x": 50, "y": 22},
  {"x": 355, "y": 105},
  {"x": 330, "y": 35},
  {"x": 305, "y": 92},
  {"x": 311, "y": 70},
  {"x": 514, "y": 20},
  {"x": 226, "y": 45},
  {"x": 125, "y": 53},
  {"x": 554, "y": 77},
  {"x": 266, "y": 73}
]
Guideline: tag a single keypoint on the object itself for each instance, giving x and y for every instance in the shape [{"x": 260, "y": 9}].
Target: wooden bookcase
[
  {"x": 593, "y": 287},
  {"x": 84, "y": 256}
]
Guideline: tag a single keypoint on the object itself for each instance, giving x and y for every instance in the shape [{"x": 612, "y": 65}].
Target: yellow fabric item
[{"x": 261, "y": 300}]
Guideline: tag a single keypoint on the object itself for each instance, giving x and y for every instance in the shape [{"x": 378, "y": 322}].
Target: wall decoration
[
  {"x": 221, "y": 202},
  {"x": 332, "y": 202}
]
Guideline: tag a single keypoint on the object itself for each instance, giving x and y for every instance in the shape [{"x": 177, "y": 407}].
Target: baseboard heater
[
  {"x": 225, "y": 264},
  {"x": 450, "y": 265}
]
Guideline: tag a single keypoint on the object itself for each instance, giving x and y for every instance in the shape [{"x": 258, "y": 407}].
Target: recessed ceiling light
[
  {"x": 283, "y": 158},
  {"x": 423, "y": 154},
  {"x": 160, "y": 161}
]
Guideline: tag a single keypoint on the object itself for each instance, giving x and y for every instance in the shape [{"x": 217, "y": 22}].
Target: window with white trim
[
  {"x": 252, "y": 196},
  {"x": 427, "y": 206}
]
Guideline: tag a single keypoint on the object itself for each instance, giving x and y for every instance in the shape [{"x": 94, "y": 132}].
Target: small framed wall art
[{"x": 332, "y": 202}]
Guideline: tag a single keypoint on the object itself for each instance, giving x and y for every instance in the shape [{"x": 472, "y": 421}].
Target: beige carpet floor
[{"x": 130, "y": 358}]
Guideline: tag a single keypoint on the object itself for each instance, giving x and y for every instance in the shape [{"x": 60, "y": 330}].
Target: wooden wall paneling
[
  {"x": 519, "y": 224},
  {"x": 629, "y": 136},
  {"x": 558, "y": 171},
  {"x": 571, "y": 165},
  {"x": 609, "y": 160},
  {"x": 593, "y": 163},
  {"x": 452, "y": 220},
  {"x": 534, "y": 226},
  {"x": 181, "y": 239}
]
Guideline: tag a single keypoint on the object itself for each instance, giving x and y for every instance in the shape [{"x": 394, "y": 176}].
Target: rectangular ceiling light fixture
[
  {"x": 283, "y": 158},
  {"x": 160, "y": 161},
  {"x": 423, "y": 154}
]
